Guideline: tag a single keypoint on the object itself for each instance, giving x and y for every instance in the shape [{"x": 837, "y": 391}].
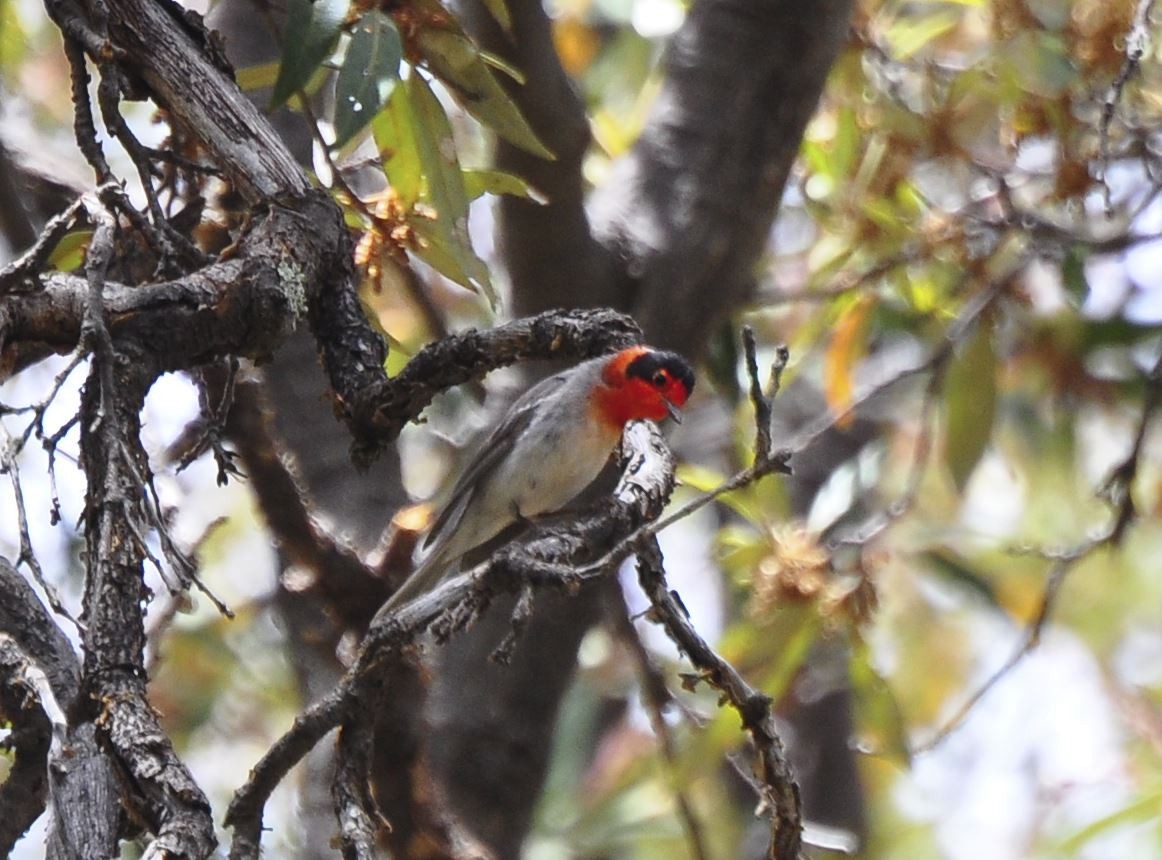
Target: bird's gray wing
[{"x": 494, "y": 449}]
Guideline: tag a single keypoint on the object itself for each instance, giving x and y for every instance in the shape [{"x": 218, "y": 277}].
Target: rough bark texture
[{"x": 32, "y": 634}]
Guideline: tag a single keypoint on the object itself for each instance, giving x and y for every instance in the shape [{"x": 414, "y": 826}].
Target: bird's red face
[{"x": 640, "y": 382}]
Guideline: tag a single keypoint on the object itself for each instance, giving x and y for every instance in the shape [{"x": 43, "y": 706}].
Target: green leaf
[
  {"x": 369, "y": 71},
  {"x": 393, "y": 129},
  {"x": 446, "y": 244},
  {"x": 478, "y": 182},
  {"x": 312, "y": 30},
  {"x": 69, "y": 253},
  {"x": 1073, "y": 275},
  {"x": 970, "y": 394},
  {"x": 457, "y": 62},
  {"x": 257, "y": 77}
]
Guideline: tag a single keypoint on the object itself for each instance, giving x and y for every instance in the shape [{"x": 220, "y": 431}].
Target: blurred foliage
[{"x": 957, "y": 208}]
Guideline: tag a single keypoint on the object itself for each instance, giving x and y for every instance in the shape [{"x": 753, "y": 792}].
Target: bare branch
[
  {"x": 1137, "y": 41},
  {"x": 780, "y": 793},
  {"x": 245, "y": 812},
  {"x": 656, "y": 697},
  {"x": 25, "y": 270},
  {"x": 384, "y": 408}
]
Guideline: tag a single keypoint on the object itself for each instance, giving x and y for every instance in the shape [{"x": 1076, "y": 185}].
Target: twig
[
  {"x": 656, "y": 697},
  {"x": 244, "y": 814},
  {"x": 779, "y": 792},
  {"x": 84, "y": 126},
  {"x": 870, "y": 530},
  {"x": 1118, "y": 487},
  {"x": 18, "y": 667},
  {"x": 27, "y": 556},
  {"x": 182, "y": 564},
  {"x": 1030, "y": 640},
  {"x": 1118, "y": 491},
  {"x": 1137, "y": 40}
]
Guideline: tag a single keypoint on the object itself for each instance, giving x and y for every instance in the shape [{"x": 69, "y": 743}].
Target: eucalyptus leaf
[
  {"x": 312, "y": 31},
  {"x": 445, "y": 241},
  {"x": 369, "y": 72},
  {"x": 394, "y": 131},
  {"x": 970, "y": 398}
]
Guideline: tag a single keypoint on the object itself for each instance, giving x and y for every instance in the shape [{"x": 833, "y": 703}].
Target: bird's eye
[{"x": 660, "y": 379}]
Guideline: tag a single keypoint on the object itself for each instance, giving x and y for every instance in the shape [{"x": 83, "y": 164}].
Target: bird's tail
[{"x": 424, "y": 578}]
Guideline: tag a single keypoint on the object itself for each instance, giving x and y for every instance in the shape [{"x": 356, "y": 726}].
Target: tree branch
[
  {"x": 382, "y": 410},
  {"x": 38, "y": 674},
  {"x": 780, "y": 793}
]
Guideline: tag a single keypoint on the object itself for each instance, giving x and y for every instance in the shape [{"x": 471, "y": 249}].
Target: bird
[{"x": 551, "y": 444}]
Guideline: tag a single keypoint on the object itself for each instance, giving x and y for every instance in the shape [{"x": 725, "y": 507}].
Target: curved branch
[{"x": 381, "y": 410}]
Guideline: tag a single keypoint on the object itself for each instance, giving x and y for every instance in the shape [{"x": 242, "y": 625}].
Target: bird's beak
[{"x": 673, "y": 410}]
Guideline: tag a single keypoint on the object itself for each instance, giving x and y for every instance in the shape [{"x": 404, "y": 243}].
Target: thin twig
[
  {"x": 27, "y": 556},
  {"x": 1117, "y": 490},
  {"x": 1030, "y": 640},
  {"x": 656, "y": 697},
  {"x": 26, "y": 268},
  {"x": 1137, "y": 41},
  {"x": 779, "y": 791}
]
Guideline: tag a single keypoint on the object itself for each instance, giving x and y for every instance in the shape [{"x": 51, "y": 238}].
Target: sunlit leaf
[
  {"x": 704, "y": 480},
  {"x": 846, "y": 347},
  {"x": 69, "y": 253},
  {"x": 312, "y": 30},
  {"x": 502, "y": 65},
  {"x": 393, "y": 130},
  {"x": 369, "y": 71},
  {"x": 257, "y": 77},
  {"x": 701, "y": 478},
  {"x": 970, "y": 395},
  {"x": 910, "y": 34}
]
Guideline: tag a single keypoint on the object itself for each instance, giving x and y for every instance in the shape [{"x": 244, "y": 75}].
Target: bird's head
[{"x": 640, "y": 382}]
